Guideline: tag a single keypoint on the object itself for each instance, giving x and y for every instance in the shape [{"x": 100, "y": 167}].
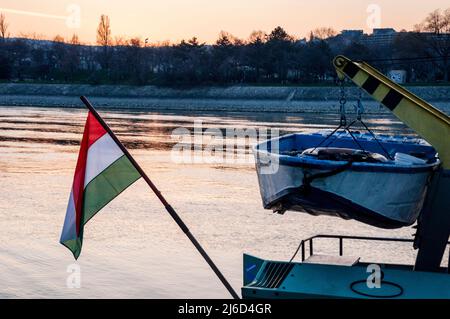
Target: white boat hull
[{"x": 387, "y": 198}]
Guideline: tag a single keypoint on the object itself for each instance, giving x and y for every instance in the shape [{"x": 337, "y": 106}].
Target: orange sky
[{"x": 178, "y": 19}]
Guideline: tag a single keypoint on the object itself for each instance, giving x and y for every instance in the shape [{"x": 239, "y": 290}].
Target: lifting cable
[{"x": 347, "y": 127}]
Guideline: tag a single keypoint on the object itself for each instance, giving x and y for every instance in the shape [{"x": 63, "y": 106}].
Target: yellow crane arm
[{"x": 426, "y": 120}]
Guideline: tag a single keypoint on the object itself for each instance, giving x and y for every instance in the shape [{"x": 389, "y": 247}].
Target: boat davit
[
  {"x": 385, "y": 181},
  {"x": 381, "y": 181}
]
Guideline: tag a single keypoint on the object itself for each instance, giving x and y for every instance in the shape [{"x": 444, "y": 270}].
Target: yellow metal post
[{"x": 432, "y": 125}]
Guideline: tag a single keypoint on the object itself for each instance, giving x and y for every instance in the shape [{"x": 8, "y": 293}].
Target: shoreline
[
  {"x": 197, "y": 105},
  {"x": 201, "y": 99}
]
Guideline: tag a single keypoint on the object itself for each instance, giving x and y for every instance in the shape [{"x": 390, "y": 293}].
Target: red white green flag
[{"x": 103, "y": 171}]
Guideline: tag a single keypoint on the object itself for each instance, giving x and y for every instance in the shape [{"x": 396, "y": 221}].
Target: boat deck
[{"x": 323, "y": 276}]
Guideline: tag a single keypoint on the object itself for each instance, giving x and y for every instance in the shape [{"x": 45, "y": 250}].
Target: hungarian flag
[{"x": 103, "y": 171}]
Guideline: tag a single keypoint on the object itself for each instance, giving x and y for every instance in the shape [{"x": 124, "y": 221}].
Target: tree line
[{"x": 275, "y": 57}]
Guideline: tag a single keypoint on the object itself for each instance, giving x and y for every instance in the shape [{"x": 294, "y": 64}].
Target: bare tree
[
  {"x": 58, "y": 38},
  {"x": 120, "y": 41},
  {"x": 104, "y": 39},
  {"x": 136, "y": 42},
  {"x": 257, "y": 37},
  {"x": 255, "y": 53},
  {"x": 323, "y": 33},
  {"x": 72, "y": 57},
  {"x": 75, "y": 40},
  {"x": 104, "y": 31},
  {"x": 437, "y": 24},
  {"x": 32, "y": 35},
  {"x": 3, "y": 26},
  {"x": 225, "y": 39},
  {"x": 447, "y": 21}
]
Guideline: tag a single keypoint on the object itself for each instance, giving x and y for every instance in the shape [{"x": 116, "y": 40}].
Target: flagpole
[{"x": 158, "y": 194}]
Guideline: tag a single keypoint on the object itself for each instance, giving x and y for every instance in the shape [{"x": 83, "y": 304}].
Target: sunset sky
[{"x": 173, "y": 20}]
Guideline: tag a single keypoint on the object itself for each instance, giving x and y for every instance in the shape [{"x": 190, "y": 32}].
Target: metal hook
[
  {"x": 342, "y": 102},
  {"x": 359, "y": 108}
]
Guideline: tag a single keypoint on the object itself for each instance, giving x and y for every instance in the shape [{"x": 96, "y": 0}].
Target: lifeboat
[{"x": 380, "y": 181}]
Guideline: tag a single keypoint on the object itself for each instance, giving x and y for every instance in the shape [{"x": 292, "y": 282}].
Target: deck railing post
[{"x": 303, "y": 250}]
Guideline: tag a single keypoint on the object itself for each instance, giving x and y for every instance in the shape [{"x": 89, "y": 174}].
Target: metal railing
[{"x": 310, "y": 242}]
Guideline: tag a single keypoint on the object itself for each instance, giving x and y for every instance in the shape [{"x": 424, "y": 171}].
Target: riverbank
[{"x": 231, "y": 99}]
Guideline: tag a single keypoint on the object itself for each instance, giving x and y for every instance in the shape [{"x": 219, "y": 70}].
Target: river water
[{"x": 132, "y": 248}]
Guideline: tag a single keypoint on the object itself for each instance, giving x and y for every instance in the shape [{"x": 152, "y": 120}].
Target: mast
[{"x": 434, "y": 126}]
